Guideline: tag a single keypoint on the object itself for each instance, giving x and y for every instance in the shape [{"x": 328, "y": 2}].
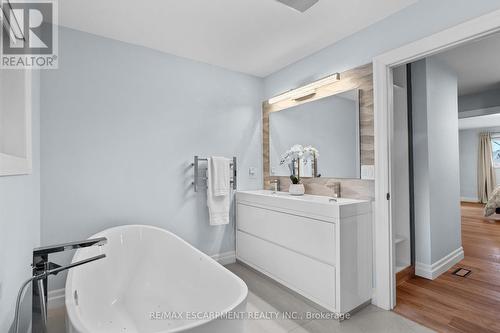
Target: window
[{"x": 495, "y": 149}]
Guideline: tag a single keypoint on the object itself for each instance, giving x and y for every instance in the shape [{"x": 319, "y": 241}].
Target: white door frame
[{"x": 385, "y": 286}]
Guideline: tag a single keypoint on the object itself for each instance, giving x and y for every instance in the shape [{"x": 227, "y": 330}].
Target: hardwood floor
[
  {"x": 405, "y": 275},
  {"x": 455, "y": 304}
]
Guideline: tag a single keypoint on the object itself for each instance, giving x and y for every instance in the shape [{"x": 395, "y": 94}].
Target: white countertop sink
[{"x": 313, "y": 206}]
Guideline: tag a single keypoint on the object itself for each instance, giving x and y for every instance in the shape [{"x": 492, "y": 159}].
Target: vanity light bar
[
  {"x": 305, "y": 95},
  {"x": 304, "y": 91}
]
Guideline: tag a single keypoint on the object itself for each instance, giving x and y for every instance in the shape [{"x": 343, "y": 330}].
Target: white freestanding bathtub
[{"x": 152, "y": 281}]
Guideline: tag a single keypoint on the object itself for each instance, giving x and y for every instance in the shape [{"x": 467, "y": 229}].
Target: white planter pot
[{"x": 296, "y": 189}]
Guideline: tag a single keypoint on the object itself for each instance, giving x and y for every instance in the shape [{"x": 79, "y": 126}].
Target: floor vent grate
[{"x": 462, "y": 272}]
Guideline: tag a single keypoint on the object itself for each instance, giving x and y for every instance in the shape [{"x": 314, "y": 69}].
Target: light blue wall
[
  {"x": 120, "y": 126},
  {"x": 436, "y": 156},
  {"x": 442, "y": 109},
  {"x": 414, "y": 22},
  {"x": 469, "y": 155},
  {"x": 19, "y": 223}
]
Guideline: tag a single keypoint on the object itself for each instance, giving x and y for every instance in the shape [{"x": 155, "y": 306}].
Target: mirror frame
[{"x": 360, "y": 78}]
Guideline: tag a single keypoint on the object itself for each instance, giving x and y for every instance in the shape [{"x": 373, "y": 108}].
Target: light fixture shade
[
  {"x": 300, "y": 5},
  {"x": 308, "y": 89}
]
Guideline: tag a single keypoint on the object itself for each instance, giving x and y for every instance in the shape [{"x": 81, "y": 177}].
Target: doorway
[
  {"x": 444, "y": 124},
  {"x": 385, "y": 291}
]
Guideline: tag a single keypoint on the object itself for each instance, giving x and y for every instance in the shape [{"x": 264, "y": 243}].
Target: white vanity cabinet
[{"x": 320, "y": 248}]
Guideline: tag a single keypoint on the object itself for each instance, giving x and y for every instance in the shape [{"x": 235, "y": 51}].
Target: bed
[{"x": 493, "y": 204}]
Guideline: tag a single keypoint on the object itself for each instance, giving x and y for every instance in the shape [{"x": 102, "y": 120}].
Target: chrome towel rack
[{"x": 197, "y": 177}]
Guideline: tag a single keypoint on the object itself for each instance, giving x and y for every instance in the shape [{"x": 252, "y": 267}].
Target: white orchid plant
[{"x": 297, "y": 153}]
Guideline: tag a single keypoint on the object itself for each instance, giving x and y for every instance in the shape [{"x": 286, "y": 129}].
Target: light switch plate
[{"x": 252, "y": 172}]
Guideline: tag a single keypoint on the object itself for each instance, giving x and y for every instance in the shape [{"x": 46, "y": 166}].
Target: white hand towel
[
  {"x": 219, "y": 175},
  {"x": 218, "y": 190}
]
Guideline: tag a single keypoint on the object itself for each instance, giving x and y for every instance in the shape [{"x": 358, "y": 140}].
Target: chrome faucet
[
  {"x": 42, "y": 269},
  {"x": 275, "y": 185}
]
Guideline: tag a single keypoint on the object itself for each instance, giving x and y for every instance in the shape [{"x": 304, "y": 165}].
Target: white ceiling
[
  {"x": 256, "y": 37},
  {"x": 477, "y": 64}
]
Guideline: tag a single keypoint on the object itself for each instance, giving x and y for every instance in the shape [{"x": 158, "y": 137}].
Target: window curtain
[{"x": 486, "y": 179}]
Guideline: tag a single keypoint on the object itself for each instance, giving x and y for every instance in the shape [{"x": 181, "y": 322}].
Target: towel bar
[{"x": 197, "y": 177}]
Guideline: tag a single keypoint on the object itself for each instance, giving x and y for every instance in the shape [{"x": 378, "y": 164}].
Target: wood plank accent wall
[{"x": 360, "y": 78}]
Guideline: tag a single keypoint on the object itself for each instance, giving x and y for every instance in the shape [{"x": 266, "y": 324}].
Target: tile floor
[{"x": 266, "y": 296}]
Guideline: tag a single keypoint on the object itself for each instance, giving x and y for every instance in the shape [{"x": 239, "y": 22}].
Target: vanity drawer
[
  {"x": 308, "y": 277},
  {"x": 307, "y": 236}
]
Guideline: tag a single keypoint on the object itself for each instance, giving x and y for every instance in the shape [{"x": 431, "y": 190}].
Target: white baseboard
[
  {"x": 439, "y": 267},
  {"x": 469, "y": 199},
  {"x": 56, "y": 297},
  {"x": 225, "y": 258}
]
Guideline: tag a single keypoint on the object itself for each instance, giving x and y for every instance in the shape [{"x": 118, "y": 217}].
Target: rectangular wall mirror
[{"x": 330, "y": 125}]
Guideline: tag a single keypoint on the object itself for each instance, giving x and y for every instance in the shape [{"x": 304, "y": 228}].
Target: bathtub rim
[{"x": 76, "y": 322}]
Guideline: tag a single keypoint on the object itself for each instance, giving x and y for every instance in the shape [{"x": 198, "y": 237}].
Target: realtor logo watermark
[{"x": 29, "y": 34}]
